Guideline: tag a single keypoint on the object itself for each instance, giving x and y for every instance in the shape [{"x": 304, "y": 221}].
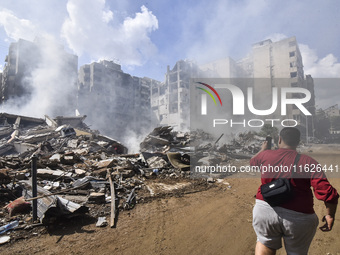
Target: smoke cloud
[
  {"x": 51, "y": 83},
  {"x": 17, "y": 28},
  {"x": 91, "y": 27}
]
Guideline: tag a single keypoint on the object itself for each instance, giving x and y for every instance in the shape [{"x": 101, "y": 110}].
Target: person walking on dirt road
[{"x": 294, "y": 220}]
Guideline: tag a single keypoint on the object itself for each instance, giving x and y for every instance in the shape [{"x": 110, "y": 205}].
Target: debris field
[{"x": 77, "y": 172}]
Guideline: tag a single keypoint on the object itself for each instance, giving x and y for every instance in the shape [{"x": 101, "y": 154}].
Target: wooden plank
[{"x": 113, "y": 201}]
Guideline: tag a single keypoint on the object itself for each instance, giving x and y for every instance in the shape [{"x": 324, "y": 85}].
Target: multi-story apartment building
[
  {"x": 269, "y": 64},
  {"x": 114, "y": 102},
  {"x": 170, "y": 99},
  {"x": 23, "y": 62},
  {"x": 279, "y": 64}
]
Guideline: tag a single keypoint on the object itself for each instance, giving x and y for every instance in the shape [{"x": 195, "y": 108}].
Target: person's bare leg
[{"x": 261, "y": 249}]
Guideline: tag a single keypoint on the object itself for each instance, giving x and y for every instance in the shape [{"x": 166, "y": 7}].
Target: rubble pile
[
  {"x": 212, "y": 153},
  {"x": 244, "y": 145},
  {"x": 79, "y": 171},
  {"x": 164, "y": 139}
]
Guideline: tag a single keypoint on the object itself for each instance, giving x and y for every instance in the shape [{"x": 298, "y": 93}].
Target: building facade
[
  {"x": 114, "y": 102},
  {"x": 20, "y": 62},
  {"x": 279, "y": 64},
  {"x": 269, "y": 65},
  {"x": 44, "y": 61},
  {"x": 170, "y": 99}
]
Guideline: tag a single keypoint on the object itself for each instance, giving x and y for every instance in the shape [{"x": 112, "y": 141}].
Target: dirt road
[{"x": 216, "y": 221}]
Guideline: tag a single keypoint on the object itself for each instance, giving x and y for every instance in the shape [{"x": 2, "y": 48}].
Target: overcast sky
[{"x": 146, "y": 36}]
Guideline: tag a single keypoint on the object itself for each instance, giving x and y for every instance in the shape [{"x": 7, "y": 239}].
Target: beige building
[{"x": 279, "y": 64}]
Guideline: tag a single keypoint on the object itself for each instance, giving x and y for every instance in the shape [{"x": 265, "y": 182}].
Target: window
[
  {"x": 292, "y": 64},
  {"x": 292, "y": 54},
  {"x": 293, "y": 74},
  {"x": 174, "y": 108}
]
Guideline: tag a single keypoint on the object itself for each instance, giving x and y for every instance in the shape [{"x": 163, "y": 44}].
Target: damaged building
[
  {"x": 269, "y": 64},
  {"x": 170, "y": 99},
  {"x": 105, "y": 92},
  {"x": 22, "y": 62}
]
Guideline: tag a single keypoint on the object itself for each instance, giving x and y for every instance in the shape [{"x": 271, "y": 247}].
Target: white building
[{"x": 170, "y": 99}]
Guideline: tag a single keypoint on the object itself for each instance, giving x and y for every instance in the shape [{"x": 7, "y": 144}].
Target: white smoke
[
  {"x": 221, "y": 29},
  {"x": 276, "y": 37},
  {"x": 51, "y": 83},
  {"x": 92, "y": 28},
  {"x": 89, "y": 28}
]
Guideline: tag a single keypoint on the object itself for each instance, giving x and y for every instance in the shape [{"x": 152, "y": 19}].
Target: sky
[{"x": 147, "y": 36}]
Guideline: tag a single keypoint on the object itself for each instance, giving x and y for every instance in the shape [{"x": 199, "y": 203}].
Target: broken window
[
  {"x": 174, "y": 108},
  {"x": 162, "y": 116},
  {"x": 154, "y": 91},
  {"x": 162, "y": 90},
  {"x": 173, "y": 97},
  {"x": 293, "y": 74},
  {"x": 173, "y": 77}
]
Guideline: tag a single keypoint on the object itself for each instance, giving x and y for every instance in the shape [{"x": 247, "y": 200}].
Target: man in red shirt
[{"x": 295, "y": 221}]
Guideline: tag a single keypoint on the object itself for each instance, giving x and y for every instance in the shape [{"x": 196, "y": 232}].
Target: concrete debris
[
  {"x": 79, "y": 169},
  {"x": 102, "y": 222},
  {"x": 178, "y": 160},
  {"x": 210, "y": 180},
  {"x": 163, "y": 139},
  {"x": 4, "y": 177},
  {"x": 4, "y": 239},
  {"x": 96, "y": 198}
]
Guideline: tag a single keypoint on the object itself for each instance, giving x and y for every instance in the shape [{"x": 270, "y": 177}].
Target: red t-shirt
[{"x": 272, "y": 162}]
